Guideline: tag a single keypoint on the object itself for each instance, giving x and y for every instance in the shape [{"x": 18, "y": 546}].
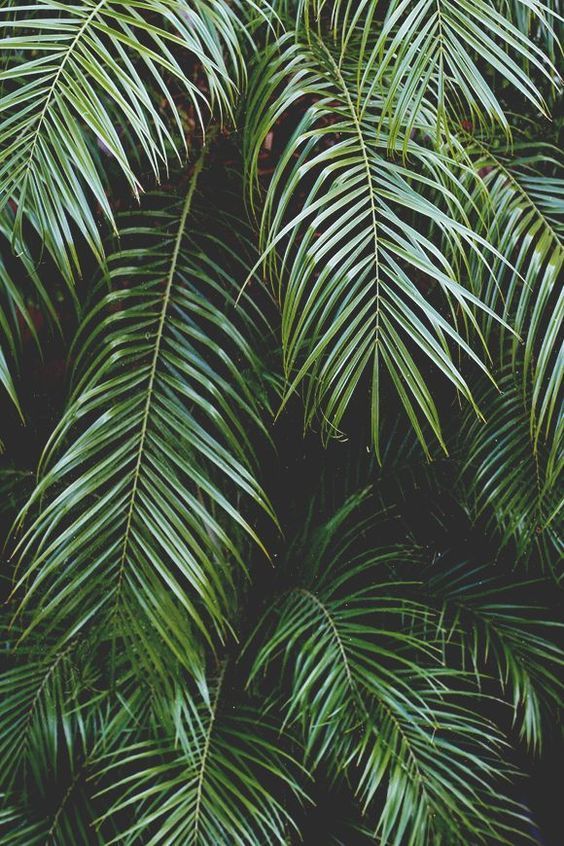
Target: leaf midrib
[
  {"x": 56, "y": 78},
  {"x": 205, "y": 756},
  {"x": 153, "y": 371}
]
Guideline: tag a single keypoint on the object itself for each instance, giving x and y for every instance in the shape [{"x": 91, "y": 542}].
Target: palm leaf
[
  {"x": 446, "y": 52},
  {"x": 361, "y": 237},
  {"x": 76, "y": 73},
  {"x": 212, "y": 779},
  {"x": 49, "y": 722},
  {"x": 144, "y": 483},
  {"x": 525, "y": 224},
  {"x": 503, "y": 626},
  {"x": 371, "y": 697},
  {"x": 510, "y": 478}
]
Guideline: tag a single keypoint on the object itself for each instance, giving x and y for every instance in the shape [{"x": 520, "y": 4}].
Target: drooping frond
[
  {"x": 34, "y": 697},
  {"x": 211, "y": 775},
  {"x": 442, "y": 53},
  {"x": 374, "y": 253},
  {"x": 372, "y": 697},
  {"x": 147, "y": 481},
  {"x": 504, "y": 627},
  {"x": 525, "y": 223},
  {"x": 510, "y": 477},
  {"x": 49, "y": 724},
  {"x": 540, "y": 19},
  {"x": 97, "y": 81},
  {"x": 447, "y": 51}
]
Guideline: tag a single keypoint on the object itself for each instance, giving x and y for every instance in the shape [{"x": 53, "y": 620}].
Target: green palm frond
[
  {"x": 362, "y": 238},
  {"x": 525, "y": 224},
  {"x": 504, "y": 628},
  {"x": 540, "y": 19},
  {"x": 143, "y": 487},
  {"x": 99, "y": 79},
  {"x": 34, "y": 700},
  {"x": 372, "y": 697},
  {"x": 49, "y": 723},
  {"x": 210, "y": 775},
  {"x": 16, "y": 829},
  {"x": 448, "y": 52},
  {"x": 515, "y": 480},
  {"x": 225, "y": 224}
]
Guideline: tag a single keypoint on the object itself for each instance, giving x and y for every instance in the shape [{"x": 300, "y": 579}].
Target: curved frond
[
  {"x": 218, "y": 777},
  {"x": 514, "y": 480},
  {"x": 373, "y": 253},
  {"x": 372, "y": 697},
  {"x": 448, "y": 53},
  {"x": 48, "y": 724},
  {"x": 525, "y": 223},
  {"x": 504, "y": 627},
  {"x": 145, "y": 486},
  {"x": 539, "y": 19},
  {"x": 96, "y": 80}
]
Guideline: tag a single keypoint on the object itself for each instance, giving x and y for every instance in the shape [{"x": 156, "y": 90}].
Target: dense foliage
[{"x": 281, "y": 384}]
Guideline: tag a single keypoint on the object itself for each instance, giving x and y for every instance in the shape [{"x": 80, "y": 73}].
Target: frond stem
[
  {"x": 372, "y": 193},
  {"x": 53, "y": 86},
  {"x": 334, "y": 631},
  {"x": 153, "y": 371},
  {"x": 205, "y": 754}
]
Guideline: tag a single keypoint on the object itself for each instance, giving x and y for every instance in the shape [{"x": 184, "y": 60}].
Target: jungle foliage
[{"x": 281, "y": 387}]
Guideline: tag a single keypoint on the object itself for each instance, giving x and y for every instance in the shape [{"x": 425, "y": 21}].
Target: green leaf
[
  {"x": 146, "y": 486},
  {"x": 98, "y": 79}
]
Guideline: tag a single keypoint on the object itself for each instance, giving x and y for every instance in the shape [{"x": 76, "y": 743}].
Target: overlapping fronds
[
  {"x": 143, "y": 487},
  {"x": 99, "y": 80},
  {"x": 450, "y": 52},
  {"x": 441, "y": 53},
  {"x": 371, "y": 696},
  {"x": 504, "y": 628},
  {"x": 59, "y": 718},
  {"x": 525, "y": 224},
  {"x": 366, "y": 659}
]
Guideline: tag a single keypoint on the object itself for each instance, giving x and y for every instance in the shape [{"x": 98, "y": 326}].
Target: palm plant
[{"x": 281, "y": 378}]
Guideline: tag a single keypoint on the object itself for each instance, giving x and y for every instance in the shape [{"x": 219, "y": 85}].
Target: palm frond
[
  {"x": 448, "y": 53},
  {"x": 143, "y": 486},
  {"x": 96, "y": 79},
  {"x": 213, "y": 778},
  {"x": 510, "y": 477},
  {"x": 16, "y": 829},
  {"x": 502, "y": 627},
  {"x": 540, "y": 19},
  {"x": 525, "y": 224},
  {"x": 362, "y": 239},
  {"x": 48, "y": 725},
  {"x": 372, "y": 698}
]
